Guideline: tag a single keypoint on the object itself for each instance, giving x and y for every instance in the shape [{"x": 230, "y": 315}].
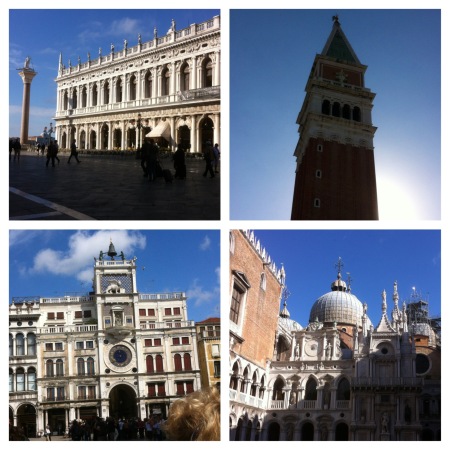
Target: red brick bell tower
[{"x": 335, "y": 174}]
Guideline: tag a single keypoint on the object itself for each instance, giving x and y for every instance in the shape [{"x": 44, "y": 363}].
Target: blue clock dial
[{"x": 120, "y": 355}]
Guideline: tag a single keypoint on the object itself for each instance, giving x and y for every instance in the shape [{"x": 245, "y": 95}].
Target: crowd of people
[
  {"x": 14, "y": 147},
  {"x": 110, "y": 429}
]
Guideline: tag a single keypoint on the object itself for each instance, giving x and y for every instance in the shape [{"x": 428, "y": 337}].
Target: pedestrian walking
[
  {"x": 51, "y": 154},
  {"x": 179, "y": 163},
  {"x": 17, "y": 148},
  {"x": 73, "y": 152},
  {"x": 152, "y": 160},
  {"x": 216, "y": 157},
  {"x": 208, "y": 154},
  {"x": 56, "y": 150},
  {"x": 145, "y": 153},
  {"x": 48, "y": 433}
]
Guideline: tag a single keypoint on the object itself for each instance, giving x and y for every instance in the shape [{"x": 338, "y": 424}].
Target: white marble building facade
[
  {"x": 115, "y": 352},
  {"x": 168, "y": 88}
]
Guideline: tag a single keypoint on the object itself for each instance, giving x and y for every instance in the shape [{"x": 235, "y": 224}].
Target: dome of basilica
[{"x": 338, "y": 306}]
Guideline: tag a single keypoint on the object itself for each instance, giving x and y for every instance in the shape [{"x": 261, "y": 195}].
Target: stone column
[
  {"x": 27, "y": 76},
  {"x": 216, "y": 131},
  {"x": 193, "y": 134}
]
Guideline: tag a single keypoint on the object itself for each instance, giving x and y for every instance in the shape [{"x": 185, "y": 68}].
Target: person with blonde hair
[{"x": 195, "y": 417}]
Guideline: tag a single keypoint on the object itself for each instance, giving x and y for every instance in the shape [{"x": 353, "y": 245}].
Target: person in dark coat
[
  {"x": 145, "y": 153},
  {"x": 152, "y": 160},
  {"x": 208, "y": 154},
  {"x": 51, "y": 154},
  {"x": 73, "y": 152},
  {"x": 179, "y": 163}
]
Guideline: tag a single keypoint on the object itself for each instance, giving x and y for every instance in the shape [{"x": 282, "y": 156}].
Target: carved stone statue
[
  {"x": 385, "y": 423},
  {"x": 114, "y": 287},
  {"x": 27, "y": 62},
  {"x": 297, "y": 351}
]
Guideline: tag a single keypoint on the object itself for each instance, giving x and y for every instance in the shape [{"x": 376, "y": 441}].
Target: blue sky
[
  {"x": 375, "y": 259},
  {"x": 45, "y": 33},
  {"x": 55, "y": 263},
  {"x": 271, "y": 55}
]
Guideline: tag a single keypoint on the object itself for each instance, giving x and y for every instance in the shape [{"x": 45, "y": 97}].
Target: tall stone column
[{"x": 27, "y": 74}]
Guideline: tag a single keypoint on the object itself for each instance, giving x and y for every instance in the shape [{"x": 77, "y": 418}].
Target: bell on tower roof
[
  {"x": 112, "y": 251},
  {"x": 338, "y": 46}
]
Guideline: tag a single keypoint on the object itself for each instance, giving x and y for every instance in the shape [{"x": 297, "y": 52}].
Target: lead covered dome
[{"x": 339, "y": 306}]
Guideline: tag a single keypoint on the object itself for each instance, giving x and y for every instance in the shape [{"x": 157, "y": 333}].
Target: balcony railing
[
  {"x": 163, "y": 41},
  {"x": 68, "y": 299},
  {"x": 68, "y": 329},
  {"x": 56, "y": 398},
  {"x": 166, "y": 325}
]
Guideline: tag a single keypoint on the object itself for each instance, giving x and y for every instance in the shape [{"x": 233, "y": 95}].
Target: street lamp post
[{"x": 138, "y": 126}]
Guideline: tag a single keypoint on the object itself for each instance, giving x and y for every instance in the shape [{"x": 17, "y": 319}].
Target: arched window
[
  {"x": 11, "y": 345},
  {"x": 31, "y": 375},
  {"x": 346, "y": 112},
  {"x": 207, "y": 73},
  {"x": 336, "y": 112},
  {"x": 244, "y": 383},
  {"x": 119, "y": 90},
  {"x": 149, "y": 363},
  {"x": 278, "y": 393},
  {"x": 234, "y": 377},
  {"x": 311, "y": 390},
  {"x": 65, "y": 100},
  {"x": 74, "y": 99},
  {"x": 165, "y": 79},
  {"x": 185, "y": 77},
  {"x": 31, "y": 344},
  {"x": 237, "y": 436},
  {"x": 80, "y": 366},
  {"x": 356, "y": 114},
  {"x": 326, "y": 107},
  {"x": 177, "y": 362},
  {"x": 248, "y": 431},
  {"x": 253, "y": 387},
  {"x": 262, "y": 281},
  {"x": 94, "y": 95},
  {"x": 106, "y": 93},
  {"x": 20, "y": 379},
  {"x": 11, "y": 380},
  {"x": 343, "y": 391},
  {"x": 90, "y": 366},
  {"x": 187, "y": 361},
  {"x": 159, "y": 363},
  {"x": 83, "y": 97},
  {"x": 133, "y": 83},
  {"x": 20, "y": 347},
  {"x": 49, "y": 368},
  {"x": 148, "y": 85},
  {"x": 59, "y": 368}
]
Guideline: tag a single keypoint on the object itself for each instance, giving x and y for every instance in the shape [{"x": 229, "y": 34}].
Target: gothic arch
[
  {"x": 274, "y": 380},
  {"x": 273, "y": 431},
  {"x": 283, "y": 348}
]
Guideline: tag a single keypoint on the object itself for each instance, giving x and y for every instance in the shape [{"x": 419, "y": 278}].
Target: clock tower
[{"x": 335, "y": 172}]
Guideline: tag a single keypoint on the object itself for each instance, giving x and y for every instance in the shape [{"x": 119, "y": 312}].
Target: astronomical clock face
[
  {"x": 311, "y": 348},
  {"x": 120, "y": 356}
]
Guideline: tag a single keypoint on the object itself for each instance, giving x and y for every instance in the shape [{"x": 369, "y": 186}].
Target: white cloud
[
  {"x": 206, "y": 243},
  {"x": 76, "y": 260},
  {"x": 201, "y": 296}
]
